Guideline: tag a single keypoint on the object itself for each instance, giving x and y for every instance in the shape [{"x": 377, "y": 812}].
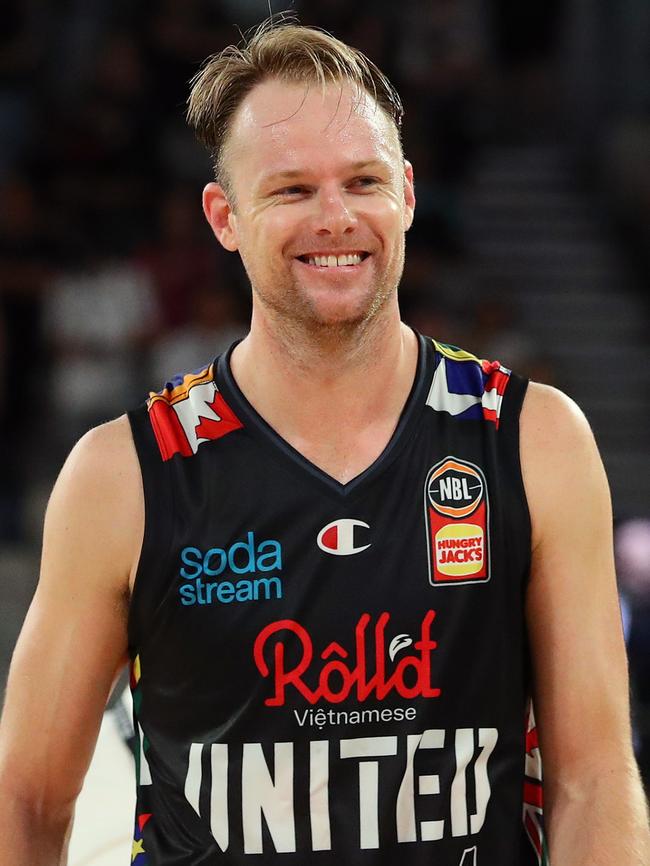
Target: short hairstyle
[{"x": 277, "y": 50}]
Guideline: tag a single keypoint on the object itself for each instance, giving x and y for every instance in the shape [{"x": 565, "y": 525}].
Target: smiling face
[{"x": 323, "y": 198}]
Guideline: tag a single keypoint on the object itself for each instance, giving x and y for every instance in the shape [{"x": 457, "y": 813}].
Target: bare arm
[
  {"x": 72, "y": 644},
  {"x": 594, "y": 801}
]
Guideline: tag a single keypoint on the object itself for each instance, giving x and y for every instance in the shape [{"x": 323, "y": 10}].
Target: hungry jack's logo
[{"x": 456, "y": 515}]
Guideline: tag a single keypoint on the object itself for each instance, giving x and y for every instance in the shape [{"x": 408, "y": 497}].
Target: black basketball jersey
[{"x": 329, "y": 673}]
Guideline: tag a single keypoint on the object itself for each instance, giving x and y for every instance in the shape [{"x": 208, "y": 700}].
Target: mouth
[{"x": 348, "y": 259}]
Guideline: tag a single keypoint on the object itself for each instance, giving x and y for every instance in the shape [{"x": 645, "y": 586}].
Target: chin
[
  {"x": 333, "y": 309},
  {"x": 343, "y": 320}
]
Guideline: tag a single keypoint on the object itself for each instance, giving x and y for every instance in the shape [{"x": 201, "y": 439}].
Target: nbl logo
[
  {"x": 456, "y": 517},
  {"x": 455, "y": 489}
]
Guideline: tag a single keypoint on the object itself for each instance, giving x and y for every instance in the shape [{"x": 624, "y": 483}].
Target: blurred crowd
[{"x": 110, "y": 281}]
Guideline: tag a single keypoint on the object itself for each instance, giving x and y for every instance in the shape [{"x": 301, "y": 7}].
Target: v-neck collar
[{"x": 262, "y": 430}]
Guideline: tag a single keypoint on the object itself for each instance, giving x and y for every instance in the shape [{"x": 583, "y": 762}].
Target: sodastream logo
[{"x": 226, "y": 575}]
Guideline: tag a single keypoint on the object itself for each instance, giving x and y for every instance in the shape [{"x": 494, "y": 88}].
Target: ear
[
  {"x": 409, "y": 195},
  {"x": 219, "y": 214}
]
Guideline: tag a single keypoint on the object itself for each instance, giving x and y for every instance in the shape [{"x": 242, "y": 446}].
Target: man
[{"x": 317, "y": 551}]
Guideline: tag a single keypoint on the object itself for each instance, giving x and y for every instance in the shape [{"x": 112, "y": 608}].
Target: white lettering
[
  {"x": 469, "y": 857},
  {"x": 405, "y": 811},
  {"x": 193, "y": 778},
  {"x": 487, "y": 740},
  {"x": 219, "y": 794},
  {"x": 319, "y": 800},
  {"x": 273, "y": 798},
  {"x": 430, "y": 784},
  {"x": 268, "y": 798},
  {"x": 364, "y": 747},
  {"x": 427, "y": 784},
  {"x": 464, "y": 753}
]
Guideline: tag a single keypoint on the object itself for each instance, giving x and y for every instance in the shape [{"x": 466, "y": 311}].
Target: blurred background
[{"x": 528, "y": 125}]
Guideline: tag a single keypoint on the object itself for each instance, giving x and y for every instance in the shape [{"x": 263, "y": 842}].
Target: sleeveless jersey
[{"x": 327, "y": 673}]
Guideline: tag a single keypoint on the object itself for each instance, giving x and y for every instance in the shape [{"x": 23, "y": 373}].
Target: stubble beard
[{"x": 299, "y": 323}]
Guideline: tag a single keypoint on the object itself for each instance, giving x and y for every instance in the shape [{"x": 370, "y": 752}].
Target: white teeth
[{"x": 335, "y": 261}]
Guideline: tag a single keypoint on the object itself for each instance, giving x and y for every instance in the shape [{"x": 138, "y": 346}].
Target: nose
[{"x": 335, "y": 216}]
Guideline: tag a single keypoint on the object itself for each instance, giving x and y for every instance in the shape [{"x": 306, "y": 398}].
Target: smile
[{"x": 331, "y": 260}]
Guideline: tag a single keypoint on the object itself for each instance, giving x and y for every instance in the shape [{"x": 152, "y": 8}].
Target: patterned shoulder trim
[
  {"x": 466, "y": 386},
  {"x": 189, "y": 411},
  {"x": 533, "y": 801}
]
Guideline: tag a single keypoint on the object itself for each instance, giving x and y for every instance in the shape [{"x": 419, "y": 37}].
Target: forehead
[{"x": 285, "y": 126}]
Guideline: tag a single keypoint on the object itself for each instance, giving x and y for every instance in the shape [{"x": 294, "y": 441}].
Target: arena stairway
[{"x": 533, "y": 228}]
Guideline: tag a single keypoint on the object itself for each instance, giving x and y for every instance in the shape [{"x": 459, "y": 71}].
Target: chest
[
  {"x": 345, "y": 454},
  {"x": 257, "y": 536},
  {"x": 276, "y": 591}
]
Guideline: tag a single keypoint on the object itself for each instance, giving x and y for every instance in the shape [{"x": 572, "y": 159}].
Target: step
[
  {"x": 555, "y": 329},
  {"x": 565, "y": 251},
  {"x": 612, "y": 411},
  {"x": 535, "y": 227},
  {"x": 528, "y": 154},
  {"x": 599, "y": 383},
  {"x": 621, "y": 295},
  {"x": 576, "y": 306},
  {"x": 523, "y": 178},
  {"x": 548, "y": 273},
  {"x": 629, "y": 478},
  {"x": 503, "y": 200}
]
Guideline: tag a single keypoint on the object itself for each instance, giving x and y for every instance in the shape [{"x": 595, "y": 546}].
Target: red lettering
[
  {"x": 337, "y": 677},
  {"x": 366, "y": 687},
  {"x": 422, "y": 667},
  {"x": 347, "y": 681},
  {"x": 282, "y": 677},
  {"x": 461, "y": 556}
]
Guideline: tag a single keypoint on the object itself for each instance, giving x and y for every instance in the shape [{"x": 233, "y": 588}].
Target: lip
[
  {"x": 341, "y": 252},
  {"x": 338, "y": 269}
]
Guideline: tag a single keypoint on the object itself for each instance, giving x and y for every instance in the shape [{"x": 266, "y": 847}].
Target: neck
[{"x": 343, "y": 376}]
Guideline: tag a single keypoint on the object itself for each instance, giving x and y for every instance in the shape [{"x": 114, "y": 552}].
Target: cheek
[
  {"x": 385, "y": 205},
  {"x": 274, "y": 231},
  {"x": 387, "y": 217}
]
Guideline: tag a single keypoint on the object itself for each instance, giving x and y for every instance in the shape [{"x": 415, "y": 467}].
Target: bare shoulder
[
  {"x": 550, "y": 418},
  {"x": 109, "y": 445},
  {"x": 98, "y": 498},
  {"x": 561, "y": 466}
]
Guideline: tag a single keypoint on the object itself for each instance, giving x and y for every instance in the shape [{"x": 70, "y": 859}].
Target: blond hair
[{"x": 285, "y": 51}]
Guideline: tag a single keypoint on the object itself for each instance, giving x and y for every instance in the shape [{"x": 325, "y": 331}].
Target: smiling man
[
  {"x": 342, "y": 559},
  {"x": 323, "y": 198}
]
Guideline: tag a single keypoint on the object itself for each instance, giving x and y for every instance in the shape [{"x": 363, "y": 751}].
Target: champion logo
[{"x": 337, "y": 537}]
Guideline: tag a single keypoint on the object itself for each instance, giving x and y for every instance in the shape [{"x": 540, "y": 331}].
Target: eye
[
  {"x": 364, "y": 182},
  {"x": 291, "y": 191}
]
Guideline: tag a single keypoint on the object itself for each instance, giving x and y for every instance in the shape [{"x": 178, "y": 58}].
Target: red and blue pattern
[
  {"x": 533, "y": 814},
  {"x": 188, "y": 412},
  {"x": 138, "y": 852},
  {"x": 466, "y": 386}
]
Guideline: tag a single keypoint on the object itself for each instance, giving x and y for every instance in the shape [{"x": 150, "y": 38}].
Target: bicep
[
  {"x": 74, "y": 637},
  {"x": 60, "y": 677},
  {"x": 579, "y": 662}
]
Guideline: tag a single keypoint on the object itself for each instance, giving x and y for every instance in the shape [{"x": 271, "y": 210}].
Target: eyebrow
[{"x": 292, "y": 174}]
